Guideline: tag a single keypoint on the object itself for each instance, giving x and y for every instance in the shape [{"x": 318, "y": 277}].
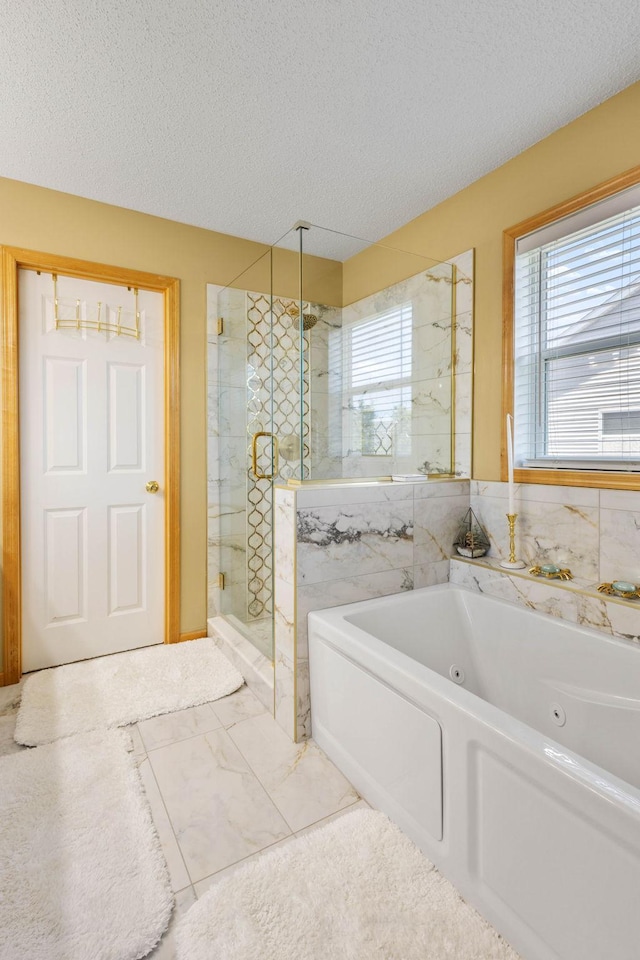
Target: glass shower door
[{"x": 247, "y": 463}]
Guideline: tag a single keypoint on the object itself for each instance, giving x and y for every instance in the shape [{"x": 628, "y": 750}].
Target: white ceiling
[{"x": 246, "y": 115}]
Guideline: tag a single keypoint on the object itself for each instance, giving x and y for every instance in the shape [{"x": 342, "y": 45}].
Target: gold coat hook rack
[{"x": 80, "y": 323}]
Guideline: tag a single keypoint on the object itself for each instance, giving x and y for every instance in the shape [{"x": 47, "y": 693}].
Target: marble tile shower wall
[
  {"x": 226, "y": 451},
  {"x": 343, "y": 543},
  {"x": 430, "y": 295}
]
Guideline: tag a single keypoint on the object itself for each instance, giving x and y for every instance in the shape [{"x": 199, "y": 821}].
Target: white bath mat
[
  {"x": 7, "y": 729},
  {"x": 82, "y": 874},
  {"x": 121, "y": 689},
  {"x": 354, "y": 890}
]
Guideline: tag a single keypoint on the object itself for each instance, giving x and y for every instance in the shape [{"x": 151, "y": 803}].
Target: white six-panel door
[{"x": 91, "y": 438}]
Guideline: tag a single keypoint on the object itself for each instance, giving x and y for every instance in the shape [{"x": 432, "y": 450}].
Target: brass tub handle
[{"x": 254, "y": 455}]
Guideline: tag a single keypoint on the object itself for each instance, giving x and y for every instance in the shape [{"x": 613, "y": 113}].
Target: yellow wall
[
  {"x": 602, "y": 143},
  {"x": 597, "y": 146}
]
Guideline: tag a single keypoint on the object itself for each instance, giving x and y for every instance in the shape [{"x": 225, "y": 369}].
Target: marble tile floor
[{"x": 225, "y": 784}]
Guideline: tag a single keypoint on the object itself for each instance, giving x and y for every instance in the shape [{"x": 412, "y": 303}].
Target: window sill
[{"x": 608, "y": 479}]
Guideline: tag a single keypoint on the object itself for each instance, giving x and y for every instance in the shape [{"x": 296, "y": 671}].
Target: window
[
  {"x": 377, "y": 384},
  {"x": 576, "y": 339}
]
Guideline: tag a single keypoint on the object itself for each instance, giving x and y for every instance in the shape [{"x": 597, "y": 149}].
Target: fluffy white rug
[
  {"x": 7, "y": 728},
  {"x": 122, "y": 689},
  {"x": 82, "y": 874},
  {"x": 354, "y": 890}
]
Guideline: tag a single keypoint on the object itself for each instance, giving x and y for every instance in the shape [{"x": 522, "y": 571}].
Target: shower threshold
[{"x": 255, "y": 667}]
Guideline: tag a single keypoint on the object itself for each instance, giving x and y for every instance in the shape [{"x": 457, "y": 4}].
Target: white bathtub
[{"x": 521, "y": 783}]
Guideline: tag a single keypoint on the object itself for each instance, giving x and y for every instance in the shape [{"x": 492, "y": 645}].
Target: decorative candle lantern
[{"x": 472, "y": 540}]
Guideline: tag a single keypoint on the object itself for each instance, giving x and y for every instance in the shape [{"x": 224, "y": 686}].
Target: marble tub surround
[
  {"x": 352, "y": 542},
  {"x": 593, "y": 532},
  {"x": 576, "y": 601}
]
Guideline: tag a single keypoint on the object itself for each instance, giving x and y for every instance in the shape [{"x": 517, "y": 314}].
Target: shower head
[{"x": 309, "y": 320}]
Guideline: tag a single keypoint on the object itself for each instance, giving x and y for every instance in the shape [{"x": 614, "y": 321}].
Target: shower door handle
[{"x": 254, "y": 455}]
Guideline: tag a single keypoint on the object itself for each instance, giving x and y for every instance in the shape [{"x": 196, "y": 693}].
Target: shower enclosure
[{"x": 331, "y": 358}]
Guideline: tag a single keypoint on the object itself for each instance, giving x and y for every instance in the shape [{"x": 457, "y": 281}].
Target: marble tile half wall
[
  {"x": 594, "y": 532},
  {"x": 341, "y": 543}
]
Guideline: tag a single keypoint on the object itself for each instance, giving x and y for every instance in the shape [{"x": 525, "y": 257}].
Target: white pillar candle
[{"x": 510, "y": 462}]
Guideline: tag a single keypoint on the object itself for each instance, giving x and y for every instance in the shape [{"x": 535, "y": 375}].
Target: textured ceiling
[{"x": 246, "y": 115}]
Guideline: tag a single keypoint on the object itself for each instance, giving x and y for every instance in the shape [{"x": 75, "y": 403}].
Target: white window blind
[
  {"x": 577, "y": 341},
  {"x": 377, "y": 383}
]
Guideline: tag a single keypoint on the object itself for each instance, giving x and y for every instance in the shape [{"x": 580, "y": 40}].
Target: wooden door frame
[{"x": 13, "y": 260}]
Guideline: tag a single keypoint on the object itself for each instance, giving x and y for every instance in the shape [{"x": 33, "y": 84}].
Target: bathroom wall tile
[
  {"x": 441, "y": 488},
  {"x": 429, "y": 290},
  {"x": 233, "y": 461},
  {"x": 348, "y": 589},
  {"x": 284, "y": 534},
  {"x": 575, "y": 601},
  {"x": 213, "y": 459},
  {"x": 325, "y": 467},
  {"x": 232, "y": 412},
  {"x": 619, "y": 542},
  {"x": 232, "y": 362},
  {"x": 430, "y": 453},
  {"x": 285, "y": 706},
  {"x": 620, "y": 500},
  {"x": 464, "y": 280},
  {"x": 213, "y": 355},
  {"x": 370, "y": 469},
  {"x": 431, "y": 406},
  {"x": 464, "y": 343},
  {"x": 624, "y": 619},
  {"x": 353, "y": 493},
  {"x": 226, "y": 519},
  {"x": 429, "y": 574},
  {"x": 303, "y": 694},
  {"x": 231, "y": 551},
  {"x": 536, "y": 594},
  {"x": 284, "y": 618},
  {"x": 546, "y": 532},
  {"x": 538, "y": 492},
  {"x": 463, "y": 462},
  {"x": 225, "y": 815},
  {"x": 232, "y": 307},
  {"x": 437, "y": 521},
  {"x": 212, "y": 408},
  {"x": 473, "y": 576},
  {"x": 213, "y": 591},
  {"x": 334, "y": 541},
  {"x": 464, "y": 397},
  {"x": 432, "y": 348},
  {"x": 300, "y": 780}
]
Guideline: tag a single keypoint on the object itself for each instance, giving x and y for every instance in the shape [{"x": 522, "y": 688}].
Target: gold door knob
[{"x": 152, "y": 487}]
